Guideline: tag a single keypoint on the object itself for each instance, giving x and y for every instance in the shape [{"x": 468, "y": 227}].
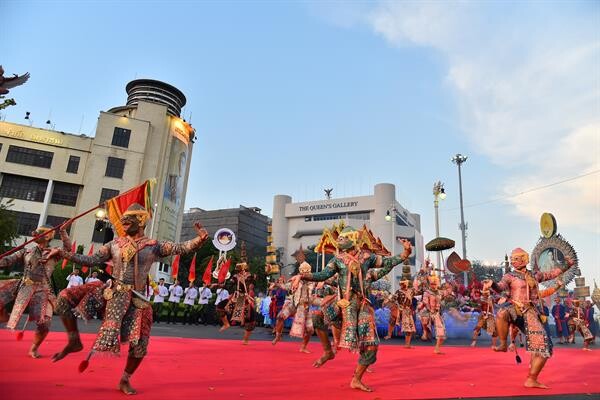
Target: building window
[
  {"x": 121, "y": 137},
  {"x": 65, "y": 194},
  {"x": 107, "y": 194},
  {"x": 26, "y": 222},
  {"x": 73, "y": 165},
  {"x": 365, "y": 216},
  {"x": 26, "y": 156},
  {"x": 103, "y": 232},
  {"x": 23, "y": 188},
  {"x": 53, "y": 221},
  {"x": 115, "y": 167}
]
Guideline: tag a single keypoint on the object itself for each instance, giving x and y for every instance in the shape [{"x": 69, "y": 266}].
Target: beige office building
[
  {"x": 296, "y": 224},
  {"x": 54, "y": 175}
]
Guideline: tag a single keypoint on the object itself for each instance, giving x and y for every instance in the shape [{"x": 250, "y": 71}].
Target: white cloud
[{"x": 529, "y": 97}]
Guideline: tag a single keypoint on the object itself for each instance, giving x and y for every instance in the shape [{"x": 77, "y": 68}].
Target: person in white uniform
[
  {"x": 159, "y": 299},
  {"x": 189, "y": 313},
  {"x": 176, "y": 293}
]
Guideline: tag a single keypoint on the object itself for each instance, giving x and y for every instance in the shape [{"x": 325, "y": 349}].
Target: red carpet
[{"x": 223, "y": 369}]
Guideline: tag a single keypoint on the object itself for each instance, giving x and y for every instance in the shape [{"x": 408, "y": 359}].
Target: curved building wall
[{"x": 296, "y": 224}]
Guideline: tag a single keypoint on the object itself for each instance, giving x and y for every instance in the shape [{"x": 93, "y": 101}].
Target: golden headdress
[{"x": 139, "y": 212}]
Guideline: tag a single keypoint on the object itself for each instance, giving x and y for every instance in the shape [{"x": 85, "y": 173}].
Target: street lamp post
[
  {"x": 459, "y": 159},
  {"x": 392, "y": 217},
  {"x": 438, "y": 194}
]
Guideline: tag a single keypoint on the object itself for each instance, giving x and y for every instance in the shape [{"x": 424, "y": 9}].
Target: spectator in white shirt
[
  {"x": 189, "y": 313},
  {"x": 92, "y": 278},
  {"x": 176, "y": 293},
  {"x": 159, "y": 299},
  {"x": 74, "y": 279},
  {"x": 205, "y": 296}
]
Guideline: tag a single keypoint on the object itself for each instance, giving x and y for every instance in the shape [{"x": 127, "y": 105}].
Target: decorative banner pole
[{"x": 224, "y": 240}]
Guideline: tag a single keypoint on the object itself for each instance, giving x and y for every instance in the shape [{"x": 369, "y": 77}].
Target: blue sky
[{"x": 297, "y": 96}]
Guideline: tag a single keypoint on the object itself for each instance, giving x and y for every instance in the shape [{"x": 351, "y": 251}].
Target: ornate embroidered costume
[
  {"x": 128, "y": 316},
  {"x": 33, "y": 291}
]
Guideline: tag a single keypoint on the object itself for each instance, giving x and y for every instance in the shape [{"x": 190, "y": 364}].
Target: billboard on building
[{"x": 174, "y": 178}]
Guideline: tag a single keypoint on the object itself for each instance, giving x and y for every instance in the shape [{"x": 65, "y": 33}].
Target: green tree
[{"x": 483, "y": 272}]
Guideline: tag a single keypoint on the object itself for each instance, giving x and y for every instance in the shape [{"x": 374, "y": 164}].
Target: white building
[
  {"x": 296, "y": 224},
  {"x": 54, "y": 176}
]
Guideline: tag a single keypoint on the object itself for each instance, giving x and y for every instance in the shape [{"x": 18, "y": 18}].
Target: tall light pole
[
  {"x": 438, "y": 194},
  {"x": 459, "y": 159},
  {"x": 392, "y": 217}
]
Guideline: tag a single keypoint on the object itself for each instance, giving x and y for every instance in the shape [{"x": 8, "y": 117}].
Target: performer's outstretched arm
[
  {"x": 11, "y": 260},
  {"x": 553, "y": 273},
  {"x": 167, "y": 248},
  {"x": 330, "y": 270}
]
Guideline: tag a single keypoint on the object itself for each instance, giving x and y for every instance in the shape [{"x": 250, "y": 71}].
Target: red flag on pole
[
  {"x": 73, "y": 248},
  {"x": 208, "y": 271},
  {"x": 116, "y": 206},
  {"x": 192, "y": 275},
  {"x": 224, "y": 270},
  {"x": 84, "y": 268},
  {"x": 175, "y": 267}
]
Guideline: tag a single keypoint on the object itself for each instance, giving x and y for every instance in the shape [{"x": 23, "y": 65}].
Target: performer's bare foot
[
  {"x": 586, "y": 349},
  {"x": 304, "y": 350},
  {"x": 126, "y": 388},
  {"x": 474, "y": 343},
  {"x": 438, "y": 351},
  {"x": 33, "y": 353},
  {"x": 533, "y": 383},
  {"x": 328, "y": 355},
  {"x": 408, "y": 346},
  {"x": 387, "y": 337},
  {"x": 357, "y": 384},
  {"x": 71, "y": 347},
  {"x": 224, "y": 327},
  {"x": 277, "y": 339},
  {"x": 502, "y": 348}
]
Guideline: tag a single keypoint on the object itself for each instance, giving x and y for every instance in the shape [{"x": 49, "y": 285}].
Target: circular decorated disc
[{"x": 548, "y": 225}]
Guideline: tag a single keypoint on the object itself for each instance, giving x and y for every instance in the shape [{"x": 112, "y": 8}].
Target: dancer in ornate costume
[
  {"x": 578, "y": 320},
  {"x": 486, "y": 319},
  {"x": 326, "y": 316},
  {"x": 522, "y": 288},
  {"x": 298, "y": 306},
  {"x": 240, "y": 305},
  {"x": 404, "y": 313},
  {"x": 432, "y": 303},
  {"x": 127, "y": 313},
  {"x": 33, "y": 290},
  {"x": 356, "y": 269}
]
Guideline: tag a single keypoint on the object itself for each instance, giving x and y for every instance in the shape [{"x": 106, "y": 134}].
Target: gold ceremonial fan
[{"x": 548, "y": 225}]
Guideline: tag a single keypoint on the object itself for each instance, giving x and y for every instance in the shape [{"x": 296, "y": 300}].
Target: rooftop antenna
[
  {"x": 80, "y": 124},
  {"x": 49, "y": 120}
]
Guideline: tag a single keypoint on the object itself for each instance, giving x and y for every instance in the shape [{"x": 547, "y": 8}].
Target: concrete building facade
[
  {"x": 248, "y": 224},
  {"x": 296, "y": 224},
  {"x": 54, "y": 176}
]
